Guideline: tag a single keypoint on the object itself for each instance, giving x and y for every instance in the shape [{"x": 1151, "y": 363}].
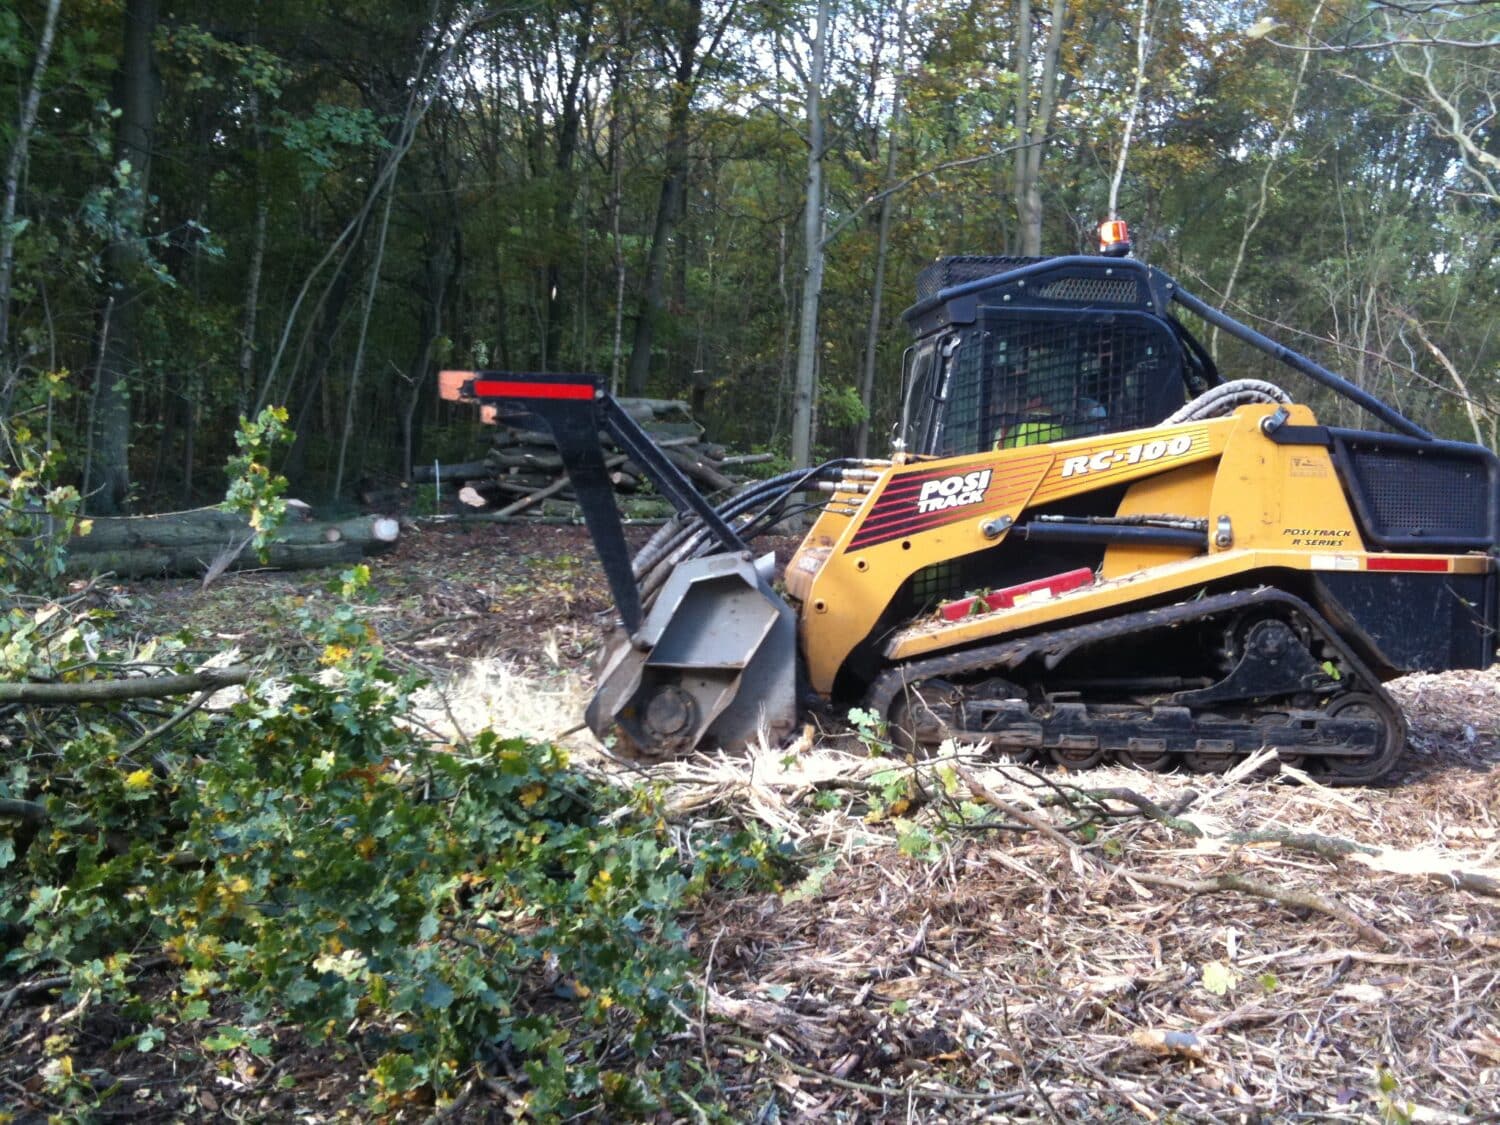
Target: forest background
[
  {"x": 320, "y": 891},
  {"x": 208, "y": 208}
]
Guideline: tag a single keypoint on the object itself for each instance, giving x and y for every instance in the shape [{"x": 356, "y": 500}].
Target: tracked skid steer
[{"x": 1087, "y": 545}]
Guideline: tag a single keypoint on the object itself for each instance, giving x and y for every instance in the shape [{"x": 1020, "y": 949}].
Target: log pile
[
  {"x": 208, "y": 541},
  {"x": 522, "y": 473}
]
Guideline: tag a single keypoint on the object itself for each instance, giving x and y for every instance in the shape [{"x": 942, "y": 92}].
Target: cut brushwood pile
[
  {"x": 208, "y": 541},
  {"x": 522, "y": 475}
]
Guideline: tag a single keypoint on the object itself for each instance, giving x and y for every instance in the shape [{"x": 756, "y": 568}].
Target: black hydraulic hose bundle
[
  {"x": 670, "y": 534},
  {"x": 686, "y": 536}
]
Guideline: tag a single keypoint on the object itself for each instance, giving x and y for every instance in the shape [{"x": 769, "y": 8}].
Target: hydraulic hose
[
  {"x": 687, "y": 539},
  {"x": 1219, "y": 401}
]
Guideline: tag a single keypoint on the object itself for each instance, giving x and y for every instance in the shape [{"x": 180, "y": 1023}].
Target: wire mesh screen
[
  {"x": 956, "y": 270},
  {"x": 1422, "y": 498},
  {"x": 1023, "y": 379},
  {"x": 933, "y": 584}
]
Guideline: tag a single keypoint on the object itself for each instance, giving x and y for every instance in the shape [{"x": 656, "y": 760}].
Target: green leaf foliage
[{"x": 307, "y": 857}]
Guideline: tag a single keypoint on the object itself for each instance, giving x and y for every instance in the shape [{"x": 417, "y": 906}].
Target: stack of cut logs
[{"x": 522, "y": 476}]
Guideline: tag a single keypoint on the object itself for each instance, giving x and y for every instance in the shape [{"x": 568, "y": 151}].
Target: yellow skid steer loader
[{"x": 1087, "y": 545}]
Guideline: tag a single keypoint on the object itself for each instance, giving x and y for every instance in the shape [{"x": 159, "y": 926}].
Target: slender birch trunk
[
  {"x": 882, "y": 245},
  {"x": 805, "y": 385},
  {"x": 13, "y": 166}
]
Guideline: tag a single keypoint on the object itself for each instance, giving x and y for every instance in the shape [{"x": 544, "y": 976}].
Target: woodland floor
[{"x": 931, "y": 973}]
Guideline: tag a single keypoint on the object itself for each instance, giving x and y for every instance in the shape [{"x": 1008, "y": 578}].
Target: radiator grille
[{"x": 1411, "y": 497}]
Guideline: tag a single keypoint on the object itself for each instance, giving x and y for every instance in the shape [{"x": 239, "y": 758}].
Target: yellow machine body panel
[
  {"x": 1267, "y": 506},
  {"x": 1179, "y": 578},
  {"x": 1187, "y": 491},
  {"x": 927, "y": 513}
]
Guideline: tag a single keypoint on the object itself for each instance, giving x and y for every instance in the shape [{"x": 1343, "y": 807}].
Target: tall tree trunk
[
  {"x": 562, "y": 204},
  {"x": 1030, "y": 195},
  {"x": 442, "y": 269},
  {"x": 805, "y": 385},
  {"x": 1142, "y": 52},
  {"x": 882, "y": 243},
  {"x": 616, "y": 202},
  {"x": 324, "y": 339},
  {"x": 357, "y": 368},
  {"x": 669, "y": 203},
  {"x": 252, "y": 301},
  {"x": 257, "y": 264},
  {"x": 13, "y": 166},
  {"x": 1258, "y": 209},
  {"x": 125, "y": 258},
  {"x": 1023, "y": 115}
]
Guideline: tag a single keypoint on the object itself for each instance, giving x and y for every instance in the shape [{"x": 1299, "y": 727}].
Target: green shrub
[{"x": 478, "y": 905}]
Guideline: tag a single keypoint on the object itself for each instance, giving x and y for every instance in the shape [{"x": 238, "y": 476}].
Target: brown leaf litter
[{"x": 997, "y": 974}]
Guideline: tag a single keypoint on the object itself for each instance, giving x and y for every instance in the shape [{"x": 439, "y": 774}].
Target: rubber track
[{"x": 1054, "y": 646}]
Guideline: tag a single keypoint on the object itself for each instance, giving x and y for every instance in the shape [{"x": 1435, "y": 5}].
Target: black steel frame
[
  {"x": 574, "y": 408},
  {"x": 957, "y": 304}
]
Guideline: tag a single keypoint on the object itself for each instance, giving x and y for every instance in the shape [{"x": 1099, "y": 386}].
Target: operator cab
[{"x": 1021, "y": 351}]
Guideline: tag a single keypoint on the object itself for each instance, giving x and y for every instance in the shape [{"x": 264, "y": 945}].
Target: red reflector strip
[
  {"x": 516, "y": 388},
  {"x": 1038, "y": 589},
  {"x": 1397, "y": 563}
]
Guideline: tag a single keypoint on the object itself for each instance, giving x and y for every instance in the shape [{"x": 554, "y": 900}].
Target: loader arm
[
  {"x": 574, "y": 408},
  {"x": 705, "y": 656}
]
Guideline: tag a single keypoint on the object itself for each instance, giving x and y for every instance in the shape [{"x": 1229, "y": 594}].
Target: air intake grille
[
  {"x": 1420, "y": 498},
  {"x": 1090, "y": 290},
  {"x": 947, "y": 272}
]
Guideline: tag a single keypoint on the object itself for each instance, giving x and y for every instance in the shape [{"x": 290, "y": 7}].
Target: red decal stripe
[
  {"x": 1006, "y": 598},
  {"x": 515, "y": 388},
  {"x": 1397, "y": 563},
  {"x": 907, "y": 482}
]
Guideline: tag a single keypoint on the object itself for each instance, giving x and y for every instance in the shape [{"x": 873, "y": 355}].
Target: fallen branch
[
  {"x": 1310, "y": 843},
  {"x": 1145, "y": 806},
  {"x": 1469, "y": 881},
  {"x": 1224, "y": 883},
  {"x": 551, "y": 490},
  {"x": 763, "y": 1017},
  {"x": 47, "y": 984},
  {"x": 1293, "y": 899},
  {"x": 137, "y": 687},
  {"x": 1038, "y": 823},
  {"x": 901, "y": 1093},
  {"x": 27, "y": 812},
  {"x": 182, "y": 713}
]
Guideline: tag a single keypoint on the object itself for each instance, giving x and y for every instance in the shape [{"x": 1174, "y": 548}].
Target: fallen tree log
[
  {"x": 698, "y": 470},
  {"x": 210, "y": 530},
  {"x": 195, "y": 559},
  {"x": 194, "y": 525},
  {"x": 747, "y": 459},
  {"x": 372, "y": 533},
  {"x": 450, "y": 474}
]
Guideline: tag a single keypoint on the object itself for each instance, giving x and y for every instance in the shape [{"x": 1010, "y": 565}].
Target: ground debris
[
  {"x": 945, "y": 962},
  {"x": 1071, "y": 988}
]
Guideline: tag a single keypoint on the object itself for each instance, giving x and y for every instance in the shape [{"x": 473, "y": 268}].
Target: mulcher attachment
[
  {"x": 710, "y": 658},
  {"x": 713, "y": 665}
]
